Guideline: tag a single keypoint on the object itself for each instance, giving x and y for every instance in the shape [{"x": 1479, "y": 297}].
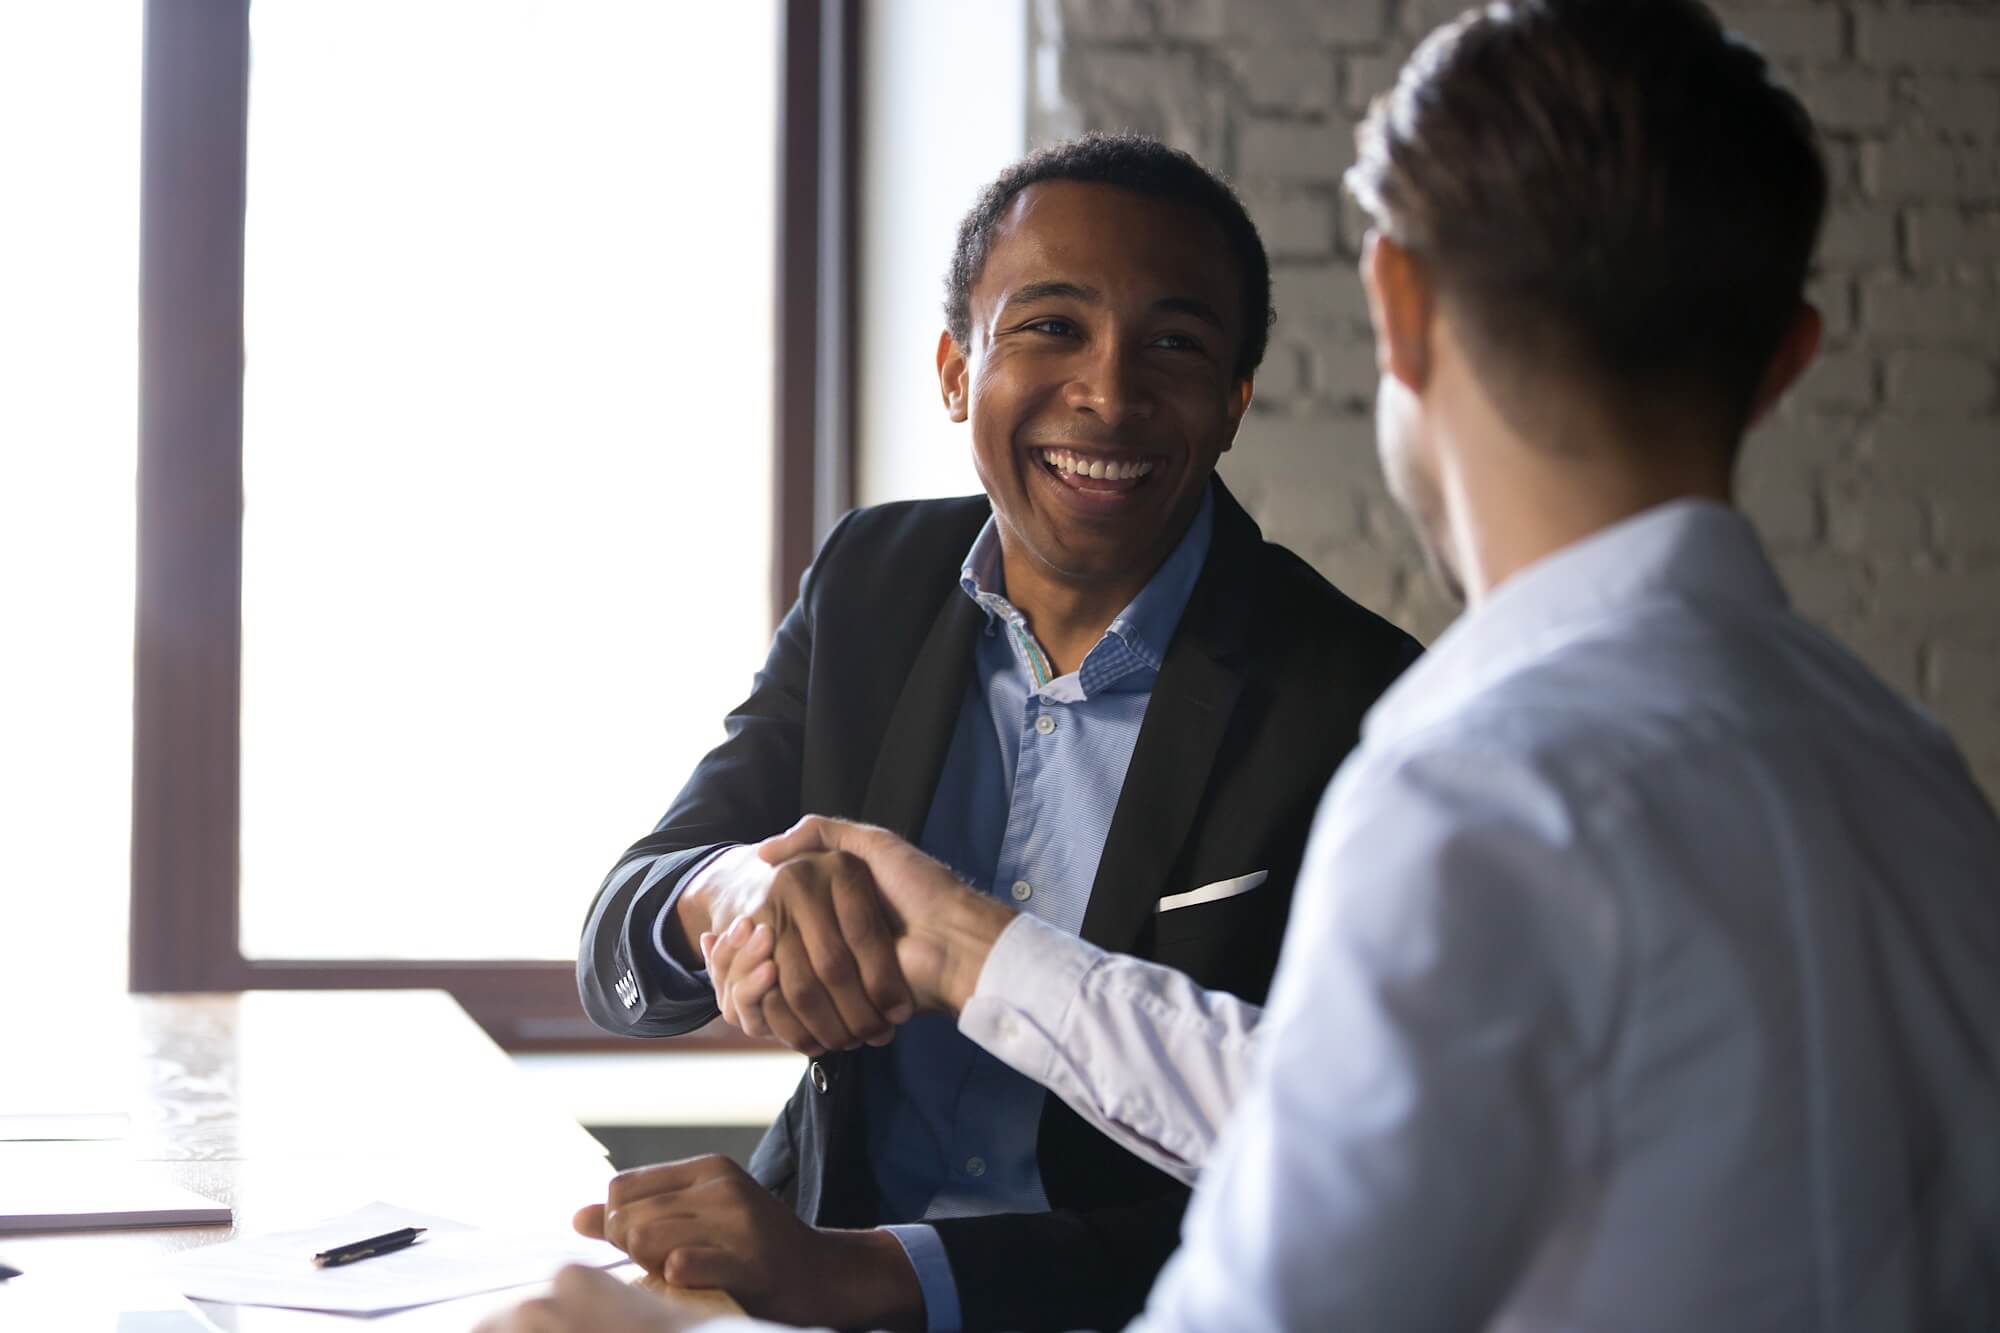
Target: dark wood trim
[
  {"x": 813, "y": 410},
  {"x": 187, "y": 637},
  {"x": 187, "y": 694}
]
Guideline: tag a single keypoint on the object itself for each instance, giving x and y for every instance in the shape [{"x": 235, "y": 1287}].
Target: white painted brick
[
  {"x": 1345, "y": 372},
  {"x": 1874, "y": 519},
  {"x": 1940, "y": 454},
  {"x": 1315, "y": 299},
  {"x": 1823, "y": 586},
  {"x": 1283, "y": 21},
  {"x": 1293, "y": 225},
  {"x": 1833, "y": 296},
  {"x": 1294, "y": 150},
  {"x": 1847, "y": 99},
  {"x": 1940, "y": 382},
  {"x": 1965, "y": 674},
  {"x": 1791, "y": 36},
  {"x": 1363, "y": 76},
  {"x": 1911, "y": 168},
  {"x": 1855, "y": 236},
  {"x": 1782, "y": 503},
  {"x": 1948, "y": 234},
  {"x": 1838, "y": 379},
  {"x": 1945, "y": 597},
  {"x": 1934, "y": 38},
  {"x": 1085, "y": 19},
  {"x": 1297, "y": 79},
  {"x": 1954, "y": 105},
  {"x": 1965, "y": 520},
  {"x": 1930, "y": 313},
  {"x": 1282, "y": 377},
  {"x": 1200, "y": 20},
  {"x": 1338, "y": 448},
  {"x": 1800, "y": 437}
]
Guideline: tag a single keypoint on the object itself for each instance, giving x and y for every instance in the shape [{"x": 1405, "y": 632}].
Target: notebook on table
[{"x": 81, "y": 1196}]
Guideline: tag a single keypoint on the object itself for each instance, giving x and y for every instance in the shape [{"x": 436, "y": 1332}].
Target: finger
[
  {"x": 650, "y": 1241},
  {"x": 832, "y": 955},
  {"x": 756, "y": 983},
  {"x": 703, "y": 1266},
  {"x": 589, "y": 1221},
  {"x": 662, "y": 1178},
  {"x": 799, "y": 981},
  {"x": 864, "y": 925},
  {"x": 780, "y": 1023},
  {"x": 733, "y": 955},
  {"x": 799, "y": 839}
]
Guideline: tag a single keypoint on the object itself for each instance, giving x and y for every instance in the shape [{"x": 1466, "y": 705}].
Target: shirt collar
[
  {"x": 1695, "y": 551},
  {"x": 1147, "y": 623}
]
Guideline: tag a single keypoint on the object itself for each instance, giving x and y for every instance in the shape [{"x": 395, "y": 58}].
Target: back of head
[{"x": 1614, "y": 190}]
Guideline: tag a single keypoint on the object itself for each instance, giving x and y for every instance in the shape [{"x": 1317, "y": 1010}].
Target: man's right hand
[
  {"x": 944, "y": 928},
  {"x": 828, "y": 931}
]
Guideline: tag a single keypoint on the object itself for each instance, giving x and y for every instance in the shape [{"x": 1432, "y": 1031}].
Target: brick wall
[{"x": 1878, "y": 484}]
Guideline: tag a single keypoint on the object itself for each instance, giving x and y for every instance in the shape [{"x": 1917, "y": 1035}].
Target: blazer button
[{"x": 818, "y": 1076}]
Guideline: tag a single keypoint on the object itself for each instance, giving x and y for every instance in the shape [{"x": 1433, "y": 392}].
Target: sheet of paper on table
[{"x": 451, "y": 1260}]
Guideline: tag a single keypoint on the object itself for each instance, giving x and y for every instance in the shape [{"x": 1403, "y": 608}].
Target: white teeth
[{"x": 1062, "y": 460}]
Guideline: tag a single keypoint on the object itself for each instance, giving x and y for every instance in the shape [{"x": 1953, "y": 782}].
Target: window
[
  {"x": 69, "y": 150},
  {"x": 526, "y": 292}
]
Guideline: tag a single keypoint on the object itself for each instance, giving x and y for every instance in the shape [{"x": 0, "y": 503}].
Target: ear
[
  {"x": 1400, "y": 304},
  {"x": 1796, "y": 351},
  {"x": 952, "y": 376},
  {"x": 1238, "y": 403}
]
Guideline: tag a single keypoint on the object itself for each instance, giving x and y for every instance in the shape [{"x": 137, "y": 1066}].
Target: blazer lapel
[
  {"x": 1186, "y": 723},
  {"x": 918, "y": 733}
]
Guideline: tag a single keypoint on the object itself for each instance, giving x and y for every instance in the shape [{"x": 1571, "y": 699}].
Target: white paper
[{"x": 450, "y": 1260}]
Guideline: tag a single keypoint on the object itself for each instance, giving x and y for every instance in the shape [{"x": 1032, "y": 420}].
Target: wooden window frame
[{"x": 188, "y": 637}]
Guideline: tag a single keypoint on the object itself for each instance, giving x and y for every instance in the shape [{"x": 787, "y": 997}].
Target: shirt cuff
[
  {"x": 1034, "y": 972},
  {"x": 927, "y": 1256},
  {"x": 674, "y": 981}
]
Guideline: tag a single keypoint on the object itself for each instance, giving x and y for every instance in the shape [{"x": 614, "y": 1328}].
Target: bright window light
[
  {"x": 507, "y": 438},
  {"x": 69, "y": 263}
]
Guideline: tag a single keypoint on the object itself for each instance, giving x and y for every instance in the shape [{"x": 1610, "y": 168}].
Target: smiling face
[{"x": 1100, "y": 380}]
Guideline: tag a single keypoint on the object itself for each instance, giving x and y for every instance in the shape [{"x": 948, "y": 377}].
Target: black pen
[{"x": 362, "y": 1249}]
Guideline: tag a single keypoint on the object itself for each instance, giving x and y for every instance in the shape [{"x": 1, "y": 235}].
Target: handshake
[{"x": 831, "y": 934}]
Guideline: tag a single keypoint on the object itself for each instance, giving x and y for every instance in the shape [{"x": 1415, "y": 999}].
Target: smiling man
[{"x": 1095, "y": 692}]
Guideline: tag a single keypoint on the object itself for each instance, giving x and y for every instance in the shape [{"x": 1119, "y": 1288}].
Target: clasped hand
[{"x": 841, "y": 932}]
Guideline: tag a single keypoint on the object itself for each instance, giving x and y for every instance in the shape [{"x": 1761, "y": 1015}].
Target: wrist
[
  {"x": 700, "y": 908},
  {"x": 963, "y": 934},
  {"x": 870, "y": 1283}
]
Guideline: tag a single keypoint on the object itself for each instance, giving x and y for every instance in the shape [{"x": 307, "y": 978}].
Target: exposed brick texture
[{"x": 1877, "y": 484}]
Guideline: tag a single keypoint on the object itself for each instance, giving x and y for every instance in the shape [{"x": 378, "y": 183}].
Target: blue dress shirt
[{"x": 1022, "y": 809}]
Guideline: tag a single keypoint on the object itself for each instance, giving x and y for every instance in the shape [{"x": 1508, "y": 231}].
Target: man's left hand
[{"x": 705, "y": 1222}]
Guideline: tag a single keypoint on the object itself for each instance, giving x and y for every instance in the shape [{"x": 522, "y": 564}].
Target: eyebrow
[{"x": 1182, "y": 305}]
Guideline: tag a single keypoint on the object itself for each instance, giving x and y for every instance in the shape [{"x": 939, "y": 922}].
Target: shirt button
[
  {"x": 1023, "y": 890},
  {"x": 1045, "y": 724},
  {"x": 975, "y": 1166},
  {"x": 818, "y": 1075}
]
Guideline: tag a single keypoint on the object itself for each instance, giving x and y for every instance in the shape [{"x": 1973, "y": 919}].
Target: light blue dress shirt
[{"x": 1022, "y": 809}]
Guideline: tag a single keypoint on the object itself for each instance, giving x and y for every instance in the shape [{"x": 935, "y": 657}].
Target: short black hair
[
  {"x": 1618, "y": 186},
  {"x": 1135, "y": 162}
]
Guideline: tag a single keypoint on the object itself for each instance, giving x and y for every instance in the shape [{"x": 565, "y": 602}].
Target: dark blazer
[{"x": 1259, "y": 697}]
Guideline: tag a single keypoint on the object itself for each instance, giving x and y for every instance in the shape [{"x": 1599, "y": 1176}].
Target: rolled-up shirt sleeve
[{"x": 1140, "y": 1051}]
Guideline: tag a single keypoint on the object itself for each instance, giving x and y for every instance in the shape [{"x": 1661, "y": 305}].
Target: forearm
[{"x": 1138, "y": 1050}]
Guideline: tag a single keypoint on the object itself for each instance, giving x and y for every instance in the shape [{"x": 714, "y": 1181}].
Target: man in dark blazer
[{"x": 1094, "y": 690}]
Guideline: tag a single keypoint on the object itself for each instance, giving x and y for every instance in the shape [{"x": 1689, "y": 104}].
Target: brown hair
[{"x": 1611, "y": 187}]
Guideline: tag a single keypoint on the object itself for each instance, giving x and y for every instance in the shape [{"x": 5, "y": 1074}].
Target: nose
[{"x": 1110, "y": 384}]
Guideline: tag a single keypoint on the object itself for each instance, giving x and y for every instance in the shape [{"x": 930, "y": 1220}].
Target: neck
[
  {"x": 1068, "y": 616},
  {"x": 1510, "y": 502}
]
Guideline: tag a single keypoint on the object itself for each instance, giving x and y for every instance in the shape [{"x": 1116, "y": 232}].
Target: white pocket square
[{"x": 1208, "y": 893}]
